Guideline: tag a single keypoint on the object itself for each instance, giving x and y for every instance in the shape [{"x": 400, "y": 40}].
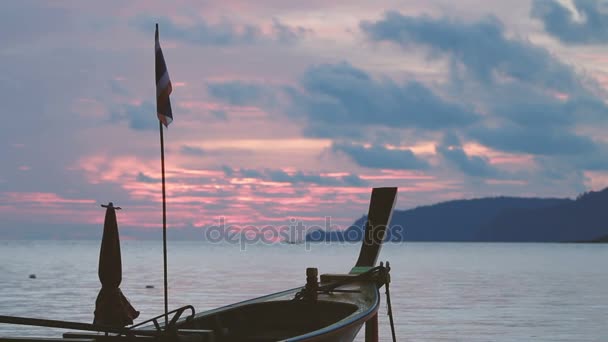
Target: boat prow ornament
[{"x": 110, "y": 205}]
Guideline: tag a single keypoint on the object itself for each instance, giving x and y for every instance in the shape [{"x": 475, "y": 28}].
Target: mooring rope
[{"x": 388, "y": 300}]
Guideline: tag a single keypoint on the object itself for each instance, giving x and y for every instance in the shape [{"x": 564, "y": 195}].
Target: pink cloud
[
  {"x": 41, "y": 198},
  {"x": 48, "y": 207}
]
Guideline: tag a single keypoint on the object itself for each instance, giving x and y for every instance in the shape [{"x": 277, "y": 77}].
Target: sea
[{"x": 439, "y": 291}]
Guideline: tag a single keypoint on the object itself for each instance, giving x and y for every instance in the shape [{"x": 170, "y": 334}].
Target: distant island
[
  {"x": 603, "y": 239},
  {"x": 497, "y": 219}
]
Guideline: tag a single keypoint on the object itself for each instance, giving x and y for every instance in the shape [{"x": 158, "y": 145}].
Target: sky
[{"x": 290, "y": 111}]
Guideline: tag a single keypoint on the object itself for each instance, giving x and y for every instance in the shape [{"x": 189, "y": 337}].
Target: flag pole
[
  {"x": 162, "y": 163},
  {"x": 162, "y": 159}
]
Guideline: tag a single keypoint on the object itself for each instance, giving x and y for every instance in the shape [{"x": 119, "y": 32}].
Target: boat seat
[
  {"x": 44, "y": 339},
  {"x": 196, "y": 335},
  {"x": 101, "y": 337},
  {"x": 185, "y": 335},
  {"x": 330, "y": 278}
]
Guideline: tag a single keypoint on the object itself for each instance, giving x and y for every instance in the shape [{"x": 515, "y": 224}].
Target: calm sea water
[{"x": 440, "y": 291}]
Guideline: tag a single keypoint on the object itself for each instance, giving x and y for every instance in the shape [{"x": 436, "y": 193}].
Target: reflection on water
[{"x": 440, "y": 291}]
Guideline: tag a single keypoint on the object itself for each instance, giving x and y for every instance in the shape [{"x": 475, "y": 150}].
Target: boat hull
[{"x": 336, "y": 316}]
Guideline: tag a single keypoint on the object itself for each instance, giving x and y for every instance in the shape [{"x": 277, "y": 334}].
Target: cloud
[
  {"x": 287, "y": 34},
  {"x": 481, "y": 47},
  {"x": 526, "y": 120},
  {"x": 223, "y": 33},
  {"x": 561, "y": 23},
  {"x": 192, "y": 151},
  {"x": 301, "y": 177},
  {"x": 297, "y": 177},
  {"x": 379, "y": 157},
  {"x": 219, "y": 114},
  {"x": 117, "y": 88},
  {"x": 534, "y": 103},
  {"x": 534, "y": 140},
  {"x": 250, "y": 173},
  {"x": 340, "y": 94},
  {"x": 474, "y": 166},
  {"x": 342, "y": 101},
  {"x": 354, "y": 180},
  {"x": 143, "y": 178},
  {"x": 242, "y": 93},
  {"x": 597, "y": 161},
  {"x": 139, "y": 117}
]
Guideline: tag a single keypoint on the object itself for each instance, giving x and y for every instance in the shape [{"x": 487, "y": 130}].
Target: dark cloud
[
  {"x": 531, "y": 101},
  {"x": 343, "y": 131},
  {"x": 534, "y": 102},
  {"x": 481, "y": 47},
  {"x": 379, "y": 157},
  {"x": 451, "y": 150},
  {"x": 242, "y": 93},
  {"x": 526, "y": 120},
  {"x": 354, "y": 180},
  {"x": 117, "y": 88},
  {"x": 287, "y": 34},
  {"x": 298, "y": 177},
  {"x": 533, "y": 109},
  {"x": 341, "y": 101},
  {"x": 139, "y": 117},
  {"x": 538, "y": 141},
  {"x": 192, "y": 151},
  {"x": 143, "y": 178},
  {"x": 340, "y": 94},
  {"x": 228, "y": 171},
  {"x": 560, "y": 22},
  {"x": 250, "y": 173},
  {"x": 597, "y": 161},
  {"x": 556, "y": 174},
  {"x": 224, "y": 33},
  {"x": 219, "y": 114},
  {"x": 301, "y": 177}
]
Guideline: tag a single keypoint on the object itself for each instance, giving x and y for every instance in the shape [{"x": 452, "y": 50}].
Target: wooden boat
[{"x": 334, "y": 309}]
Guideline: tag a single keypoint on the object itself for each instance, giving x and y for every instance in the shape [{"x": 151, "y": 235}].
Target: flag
[{"x": 163, "y": 86}]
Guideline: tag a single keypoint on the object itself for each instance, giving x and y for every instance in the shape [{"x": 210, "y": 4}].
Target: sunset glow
[{"x": 292, "y": 110}]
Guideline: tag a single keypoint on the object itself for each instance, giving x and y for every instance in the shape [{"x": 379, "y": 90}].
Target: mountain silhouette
[
  {"x": 497, "y": 219},
  {"x": 583, "y": 219},
  {"x": 602, "y": 239}
]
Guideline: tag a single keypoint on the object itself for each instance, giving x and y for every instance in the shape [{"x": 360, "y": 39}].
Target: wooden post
[
  {"x": 371, "y": 329},
  {"x": 312, "y": 283}
]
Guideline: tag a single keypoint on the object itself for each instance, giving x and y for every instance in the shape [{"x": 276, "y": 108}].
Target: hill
[
  {"x": 602, "y": 239},
  {"x": 584, "y": 219},
  {"x": 493, "y": 219}
]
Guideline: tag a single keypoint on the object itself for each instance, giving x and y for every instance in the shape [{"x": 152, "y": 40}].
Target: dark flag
[{"x": 163, "y": 86}]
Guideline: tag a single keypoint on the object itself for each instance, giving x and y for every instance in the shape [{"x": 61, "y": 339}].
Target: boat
[{"x": 329, "y": 308}]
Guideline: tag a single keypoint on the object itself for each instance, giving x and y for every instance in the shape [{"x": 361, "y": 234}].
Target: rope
[{"x": 388, "y": 301}]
